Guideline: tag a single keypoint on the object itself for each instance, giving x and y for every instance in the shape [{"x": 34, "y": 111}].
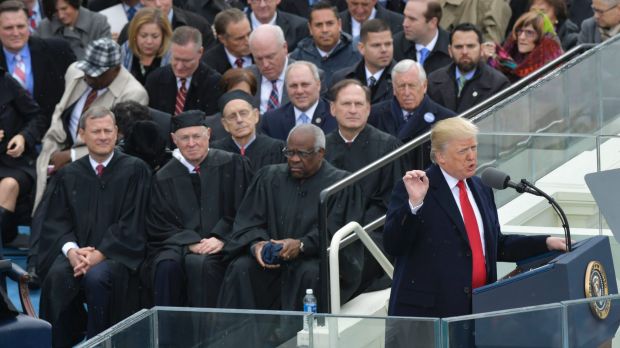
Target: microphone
[{"x": 499, "y": 180}]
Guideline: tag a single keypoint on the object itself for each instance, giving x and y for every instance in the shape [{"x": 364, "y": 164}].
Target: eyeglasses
[
  {"x": 529, "y": 33},
  {"x": 300, "y": 153},
  {"x": 601, "y": 12}
]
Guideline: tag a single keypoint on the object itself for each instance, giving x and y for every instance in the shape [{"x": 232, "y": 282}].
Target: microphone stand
[{"x": 557, "y": 209}]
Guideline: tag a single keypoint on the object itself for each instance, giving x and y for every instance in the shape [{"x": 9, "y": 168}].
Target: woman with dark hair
[
  {"x": 556, "y": 10},
  {"x": 148, "y": 43},
  {"x": 67, "y": 19},
  {"x": 21, "y": 126},
  {"x": 532, "y": 44}
]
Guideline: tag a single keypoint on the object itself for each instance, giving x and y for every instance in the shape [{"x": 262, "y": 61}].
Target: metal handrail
[
  {"x": 334, "y": 261},
  {"x": 472, "y": 113}
]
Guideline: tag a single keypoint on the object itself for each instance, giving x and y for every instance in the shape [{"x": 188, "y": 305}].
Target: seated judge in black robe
[
  {"x": 281, "y": 206},
  {"x": 239, "y": 118},
  {"x": 92, "y": 241},
  {"x": 193, "y": 204},
  {"x": 354, "y": 145}
]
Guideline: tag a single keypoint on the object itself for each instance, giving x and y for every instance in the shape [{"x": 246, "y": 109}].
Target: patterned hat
[{"x": 101, "y": 55}]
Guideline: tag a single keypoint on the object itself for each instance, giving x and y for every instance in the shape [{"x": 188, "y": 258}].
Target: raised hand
[{"x": 416, "y": 183}]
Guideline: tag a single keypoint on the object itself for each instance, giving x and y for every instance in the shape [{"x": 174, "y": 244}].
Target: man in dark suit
[
  {"x": 210, "y": 8},
  {"x": 468, "y": 81},
  {"x": 374, "y": 70},
  {"x": 270, "y": 52},
  {"x": 422, "y": 39},
  {"x": 294, "y": 27},
  {"x": 187, "y": 83},
  {"x": 411, "y": 112},
  {"x": 442, "y": 227},
  {"x": 178, "y": 17},
  {"x": 45, "y": 60},
  {"x": 358, "y": 12},
  {"x": 233, "y": 50},
  {"x": 306, "y": 106}
]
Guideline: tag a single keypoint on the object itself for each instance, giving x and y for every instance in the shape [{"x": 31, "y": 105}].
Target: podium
[{"x": 552, "y": 278}]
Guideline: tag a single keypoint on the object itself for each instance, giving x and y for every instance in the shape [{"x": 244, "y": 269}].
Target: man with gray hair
[
  {"x": 93, "y": 237},
  {"x": 411, "y": 112},
  {"x": 303, "y": 84},
  {"x": 275, "y": 245},
  {"x": 270, "y": 52},
  {"x": 187, "y": 83},
  {"x": 604, "y": 24}
]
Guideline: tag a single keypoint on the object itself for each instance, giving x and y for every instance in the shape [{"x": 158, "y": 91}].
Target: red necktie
[
  {"x": 100, "y": 170},
  {"x": 181, "y": 94},
  {"x": 242, "y": 150},
  {"x": 19, "y": 71},
  {"x": 89, "y": 99},
  {"x": 197, "y": 170},
  {"x": 479, "y": 271},
  {"x": 239, "y": 62},
  {"x": 33, "y": 22}
]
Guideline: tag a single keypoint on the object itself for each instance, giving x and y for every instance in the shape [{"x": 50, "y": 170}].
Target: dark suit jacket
[
  {"x": 50, "y": 59},
  {"x": 381, "y": 91},
  {"x": 301, "y": 8},
  {"x": 294, "y": 27},
  {"x": 216, "y": 58},
  {"x": 203, "y": 93},
  {"x": 438, "y": 58},
  {"x": 432, "y": 274},
  {"x": 209, "y": 8},
  {"x": 162, "y": 120},
  {"x": 442, "y": 87},
  {"x": 279, "y": 122},
  {"x": 182, "y": 17},
  {"x": 387, "y": 116},
  {"x": 393, "y": 19}
]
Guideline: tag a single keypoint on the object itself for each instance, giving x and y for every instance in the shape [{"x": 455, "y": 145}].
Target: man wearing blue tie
[
  {"x": 303, "y": 86},
  {"x": 422, "y": 39}
]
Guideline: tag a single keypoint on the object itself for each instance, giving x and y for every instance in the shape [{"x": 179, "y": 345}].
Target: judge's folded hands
[
  {"x": 82, "y": 259},
  {"x": 207, "y": 246}
]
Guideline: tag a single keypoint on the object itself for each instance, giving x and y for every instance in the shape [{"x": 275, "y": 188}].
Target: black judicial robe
[
  {"x": 369, "y": 145},
  {"x": 262, "y": 151},
  {"x": 177, "y": 218},
  {"x": 106, "y": 213},
  {"x": 278, "y": 206}
]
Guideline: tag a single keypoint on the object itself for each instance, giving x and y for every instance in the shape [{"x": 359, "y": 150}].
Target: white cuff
[
  {"x": 72, "y": 155},
  {"x": 68, "y": 246},
  {"x": 414, "y": 209}
]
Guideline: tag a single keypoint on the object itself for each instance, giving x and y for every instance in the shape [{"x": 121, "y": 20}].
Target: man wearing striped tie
[
  {"x": 39, "y": 65},
  {"x": 187, "y": 83}
]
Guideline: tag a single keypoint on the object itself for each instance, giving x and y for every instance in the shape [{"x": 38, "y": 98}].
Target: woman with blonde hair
[
  {"x": 148, "y": 43},
  {"x": 532, "y": 44}
]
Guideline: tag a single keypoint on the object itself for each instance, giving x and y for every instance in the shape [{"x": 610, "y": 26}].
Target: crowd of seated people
[{"x": 242, "y": 111}]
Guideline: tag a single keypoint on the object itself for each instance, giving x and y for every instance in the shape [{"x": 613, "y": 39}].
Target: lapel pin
[
  {"x": 317, "y": 120},
  {"x": 475, "y": 94},
  {"x": 429, "y": 117}
]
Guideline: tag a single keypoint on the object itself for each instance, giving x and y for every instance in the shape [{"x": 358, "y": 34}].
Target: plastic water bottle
[{"x": 309, "y": 306}]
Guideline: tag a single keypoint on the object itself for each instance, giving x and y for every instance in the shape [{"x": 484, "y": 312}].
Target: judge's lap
[
  {"x": 61, "y": 276},
  {"x": 245, "y": 273},
  {"x": 204, "y": 272}
]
